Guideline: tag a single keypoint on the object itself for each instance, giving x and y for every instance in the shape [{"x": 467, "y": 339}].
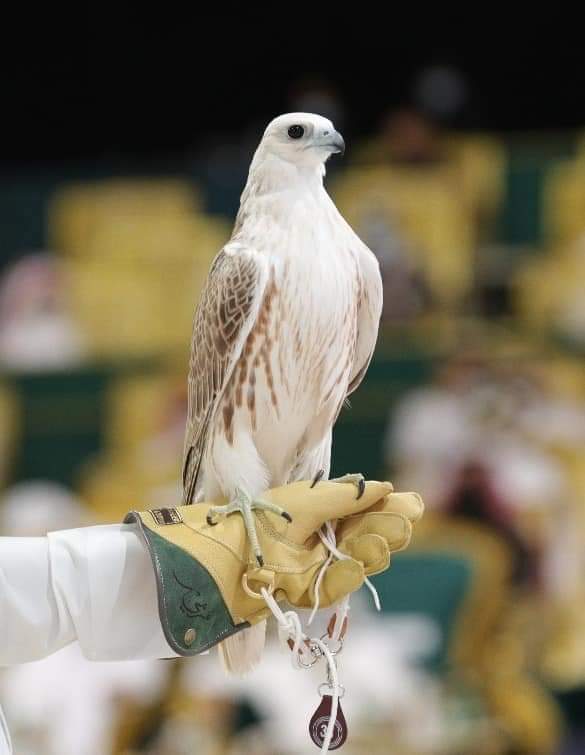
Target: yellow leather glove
[{"x": 208, "y": 580}]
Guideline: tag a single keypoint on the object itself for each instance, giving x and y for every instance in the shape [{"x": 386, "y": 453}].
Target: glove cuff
[{"x": 192, "y": 611}]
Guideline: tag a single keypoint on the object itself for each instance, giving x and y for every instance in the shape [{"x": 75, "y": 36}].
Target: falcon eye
[{"x": 295, "y": 132}]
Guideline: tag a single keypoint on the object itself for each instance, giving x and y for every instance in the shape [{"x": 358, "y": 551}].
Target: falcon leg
[
  {"x": 356, "y": 479},
  {"x": 244, "y": 504}
]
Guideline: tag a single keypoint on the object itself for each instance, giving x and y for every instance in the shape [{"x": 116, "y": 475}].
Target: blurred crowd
[{"x": 475, "y": 399}]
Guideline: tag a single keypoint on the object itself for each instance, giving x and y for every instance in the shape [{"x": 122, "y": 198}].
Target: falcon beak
[
  {"x": 330, "y": 140},
  {"x": 336, "y": 143}
]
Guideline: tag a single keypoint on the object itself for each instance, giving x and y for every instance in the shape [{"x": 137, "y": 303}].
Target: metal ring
[
  {"x": 250, "y": 592},
  {"x": 326, "y": 639},
  {"x": 311, "y": 648},
  {"x": 315, "y": 651},
  {"x": 314, "y": 660}
]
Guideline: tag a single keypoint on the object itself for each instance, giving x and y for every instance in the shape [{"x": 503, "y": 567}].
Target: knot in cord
[{"x": 290, "y": 628}]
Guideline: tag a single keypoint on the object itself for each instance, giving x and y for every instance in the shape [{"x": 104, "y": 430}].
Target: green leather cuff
[{"x": 192, "y": 611}]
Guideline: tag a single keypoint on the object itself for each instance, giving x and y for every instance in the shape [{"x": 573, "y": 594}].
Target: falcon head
[{"x": 302, "y": 138}]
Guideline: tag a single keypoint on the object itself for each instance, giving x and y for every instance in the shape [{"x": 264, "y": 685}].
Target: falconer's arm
[
  {"x": 94, "y": 585},
  {"x": 171, "y": 582}
]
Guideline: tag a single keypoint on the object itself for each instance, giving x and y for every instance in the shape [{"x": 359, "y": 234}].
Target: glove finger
[
  {"x": 341, "y": 499},
  {"x": 341, "y": 578},
  {"x": 409, "y": 504},
  {"x": 371, "y": 550},
  {"x": 311, "y": 507},
  {"x": 395, "y": 528}
]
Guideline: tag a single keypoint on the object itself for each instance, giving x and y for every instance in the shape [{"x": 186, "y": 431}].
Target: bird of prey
[{"x": 284, "y": 331}]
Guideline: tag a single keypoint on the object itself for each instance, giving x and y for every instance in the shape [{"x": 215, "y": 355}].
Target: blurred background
[{"x": 123, "y": 152}]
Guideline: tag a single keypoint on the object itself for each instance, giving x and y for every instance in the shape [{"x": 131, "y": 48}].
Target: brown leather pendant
[{"x": 320, "y": 720}]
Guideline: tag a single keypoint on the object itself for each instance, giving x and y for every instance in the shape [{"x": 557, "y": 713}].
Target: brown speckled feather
[
  {"x": 223, "y": 319},
  {"x": 284, "y": 331}
]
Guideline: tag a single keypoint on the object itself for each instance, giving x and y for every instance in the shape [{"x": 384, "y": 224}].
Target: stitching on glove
[{"x": 269, "y": 530}]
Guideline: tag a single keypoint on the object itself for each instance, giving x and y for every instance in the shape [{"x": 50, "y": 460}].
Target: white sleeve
[{"x": 94, "y": 584}]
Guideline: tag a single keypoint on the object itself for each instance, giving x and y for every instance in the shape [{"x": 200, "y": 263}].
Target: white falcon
[{"x": 283, "y": 333}]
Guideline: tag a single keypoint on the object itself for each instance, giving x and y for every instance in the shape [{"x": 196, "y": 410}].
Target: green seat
[
  {"x": 359, "y": 435},
  {"x": 62, "y": 415},
  {"x": 433, "y": 585}
]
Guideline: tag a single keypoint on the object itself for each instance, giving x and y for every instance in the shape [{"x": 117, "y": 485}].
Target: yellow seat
[
  {"x": 480, "y": 162},
  {"x": 9, "y": 421},
  {"x": 139, "y": 406},
  {"x": 76, "y": 210},
  {"x": 136, "y": 265},
  {"x": 476, "y": 163},
  {"x": 487, "y": 648},
  {"x": 142, "y": 457},
  {"x": 428, "y": 209},
  {"x": 564, "y": 202},
  {"x": 549, "y": 290}
]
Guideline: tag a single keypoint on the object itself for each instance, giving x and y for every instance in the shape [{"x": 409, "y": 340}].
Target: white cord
[
  {"x": 330, "y": 542},
  {"x": 334, "y": 686},
  {"x": 317, "y": 588},
  {"x": 341, "y": 613},
  {"x": 289, "y": 627}
]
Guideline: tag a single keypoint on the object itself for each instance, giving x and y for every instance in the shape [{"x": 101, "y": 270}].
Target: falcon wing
[
  {"x": 224, "y": 317},
  {"x": 369, "y": 312}
]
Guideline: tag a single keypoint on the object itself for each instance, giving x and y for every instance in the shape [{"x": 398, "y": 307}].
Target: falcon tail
[{"x": 242, "y": 652}]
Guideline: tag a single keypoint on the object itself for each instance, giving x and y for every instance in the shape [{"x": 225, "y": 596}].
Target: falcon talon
[
  {"x": 250, "y": 312},
  {"x": 355, "y": 479},
  {"x": 318, "y": 477},
  {"x": 209, "y": 520},
  {"x": 245, "y": 505}
]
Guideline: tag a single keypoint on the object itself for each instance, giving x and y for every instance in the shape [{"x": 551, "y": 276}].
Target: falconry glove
[{"x": 209, "y": 582}]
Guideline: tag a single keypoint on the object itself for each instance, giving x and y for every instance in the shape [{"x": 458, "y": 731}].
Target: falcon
[{"x": 283, "y": 333}]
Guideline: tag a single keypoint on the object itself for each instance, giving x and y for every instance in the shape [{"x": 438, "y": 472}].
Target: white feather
[{"x": 320, "y": 335}]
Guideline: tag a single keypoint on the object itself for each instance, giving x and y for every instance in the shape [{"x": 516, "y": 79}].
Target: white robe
[{"x": 93, "y": 585}]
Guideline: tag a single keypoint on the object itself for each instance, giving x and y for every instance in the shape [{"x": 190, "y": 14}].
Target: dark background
[{"x": 125, "y": 88}]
